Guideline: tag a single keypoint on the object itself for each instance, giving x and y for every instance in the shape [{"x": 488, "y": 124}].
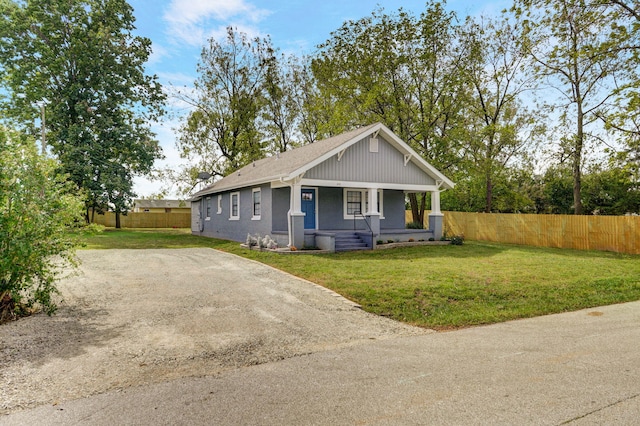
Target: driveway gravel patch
[{"x": 137, "y": 317}]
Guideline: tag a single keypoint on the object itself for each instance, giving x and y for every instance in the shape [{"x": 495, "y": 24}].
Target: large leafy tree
[
  {"x": 37, "y": 208},
  {"x": 83, "y": 58},
  {"x": 583, "y": 51},
  {"x": 223, "y": 131},
  {"x": 401, "y": 70},
  {"x": 502, "y": 130}
]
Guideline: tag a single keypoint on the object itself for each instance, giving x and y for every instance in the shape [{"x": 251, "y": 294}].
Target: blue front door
[{"x": 309, "y": 208}]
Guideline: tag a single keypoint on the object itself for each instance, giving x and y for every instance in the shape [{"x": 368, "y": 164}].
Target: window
[
  {"x": 234, "y": 206},
  {"x": 208, "y": 207},
  {"x": 356, "y": 203},
  {"x": 219, "y": 204},
  {"x": 256, "y": 203}
]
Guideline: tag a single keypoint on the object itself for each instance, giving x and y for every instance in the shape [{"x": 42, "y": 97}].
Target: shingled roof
[{"x": 290, "y": 164}]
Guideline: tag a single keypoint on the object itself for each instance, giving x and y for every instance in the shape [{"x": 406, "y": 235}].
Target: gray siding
[
  {"x": 281, "y": 204},
  {"x": 331, "y": 211},
  {"x": 359, "y": 165},
  {"x": 219, "y": 225},
  {"x": 393, "y": 210}
]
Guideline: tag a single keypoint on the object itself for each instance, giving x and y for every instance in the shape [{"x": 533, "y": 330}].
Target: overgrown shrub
[{"x": 37, "y": 210}]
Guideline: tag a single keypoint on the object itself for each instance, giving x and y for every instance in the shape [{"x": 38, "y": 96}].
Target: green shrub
[
  {"x": 415, "y": 225},
  {"x": 37, "y": 210},
  {"x": 457, "y": 240}
]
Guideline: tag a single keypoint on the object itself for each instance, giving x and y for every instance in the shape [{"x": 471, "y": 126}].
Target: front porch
[{"x": 335, "y": 240}]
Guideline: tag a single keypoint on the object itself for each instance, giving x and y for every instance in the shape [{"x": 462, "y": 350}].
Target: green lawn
[{"x": 439, "y": 287}]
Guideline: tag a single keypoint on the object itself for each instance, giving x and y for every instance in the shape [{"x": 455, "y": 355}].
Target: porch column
[
  {"x": 373, "y": 215},
  {"x": 436, "y": 216},
  {"x": 296, "y": 217}
]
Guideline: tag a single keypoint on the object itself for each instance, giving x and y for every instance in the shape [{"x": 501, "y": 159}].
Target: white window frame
[
  {"x": 231, "y": 216},
  {"x": 219, "y": 204},
  {"x": 255, "y": 216},
  {"x": 364, "y": 200},
  {"x": 207, "y": 208}
]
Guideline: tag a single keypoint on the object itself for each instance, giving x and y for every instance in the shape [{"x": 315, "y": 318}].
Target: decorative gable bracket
[
  {"x": 341, "y": 153},
  {"x": 407, "y": 157}
]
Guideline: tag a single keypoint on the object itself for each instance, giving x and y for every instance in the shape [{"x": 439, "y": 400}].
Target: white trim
[
  {"x": 207, "y": 208},
  {"x": 379, "y": 185},
  {"x": 219, "y": 204},
  {"x": 253, "y": 204},
  {"x": 231, "y": 217},
  {"x": 364, "y": 199}
]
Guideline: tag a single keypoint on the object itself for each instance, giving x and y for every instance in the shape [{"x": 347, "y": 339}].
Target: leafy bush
[
  {"x": 379, "y": 242},
  {"x": 37, "y": 210},
  {"x": 415, "y": 225},
  {"x": 457, "y": 240}
]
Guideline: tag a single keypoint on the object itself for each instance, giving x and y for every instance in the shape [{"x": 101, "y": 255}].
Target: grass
[{"x": 441, "y": 287}]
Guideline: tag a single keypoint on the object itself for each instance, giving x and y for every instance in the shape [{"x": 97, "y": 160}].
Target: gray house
[{"x": 340, "y": 193}]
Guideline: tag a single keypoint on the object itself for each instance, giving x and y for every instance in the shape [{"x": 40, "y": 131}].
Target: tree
[
  {"x": 583, "y": 61},
  {"x": 37, "y": 208},
  {"x": 281, "y": 110},
  {"x": 222, "y": 133},
  {"x": 501, "y": 127},
  {"x": 83, "y": 58},
  {"x": 402, "y": 71}
]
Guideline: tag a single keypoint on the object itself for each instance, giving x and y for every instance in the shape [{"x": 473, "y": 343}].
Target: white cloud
[
  {"x": 190, "y": 21},
  {"x": 158, "y": 52}
]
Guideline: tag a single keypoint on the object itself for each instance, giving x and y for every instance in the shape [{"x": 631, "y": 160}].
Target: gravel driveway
[{"x": 133, "y": 317}]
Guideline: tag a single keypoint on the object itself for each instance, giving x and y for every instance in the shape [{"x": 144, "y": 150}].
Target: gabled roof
[{"x": 290, "y": 164}]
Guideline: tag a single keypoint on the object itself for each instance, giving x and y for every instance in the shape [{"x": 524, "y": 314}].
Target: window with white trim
[
  {"x": 207, "y": 204},
  {"x": 256, "y": 196},
  {"x": 356, "y": 203},
  {"x": 234, "y": 206},
  {"x": 219, "y": 204}
]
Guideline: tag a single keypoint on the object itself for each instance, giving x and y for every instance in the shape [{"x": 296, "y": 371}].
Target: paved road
[{"x": 580, "y": 368}]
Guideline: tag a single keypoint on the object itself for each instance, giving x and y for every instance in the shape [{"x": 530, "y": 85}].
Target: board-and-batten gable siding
[{"x": 358, "y": 164}]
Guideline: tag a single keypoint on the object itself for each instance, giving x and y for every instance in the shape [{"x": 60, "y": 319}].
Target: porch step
[{"x": 350, "y": 242}]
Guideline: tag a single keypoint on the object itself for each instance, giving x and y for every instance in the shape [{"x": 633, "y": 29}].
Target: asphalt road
[{"x": 580, "y": 368}]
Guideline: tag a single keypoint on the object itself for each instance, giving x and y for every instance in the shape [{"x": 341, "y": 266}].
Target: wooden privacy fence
[
  {"x": 612, "y": 233},
  {"x": 145, "y": 220}
]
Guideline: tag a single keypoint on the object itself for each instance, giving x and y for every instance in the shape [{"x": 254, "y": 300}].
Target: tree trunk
[
  {"x": 489, "y": 196},
  {"x": 577, "y": 162},
  {"x": 118, "y": 220},
  {"x": 417, "y": 209}
]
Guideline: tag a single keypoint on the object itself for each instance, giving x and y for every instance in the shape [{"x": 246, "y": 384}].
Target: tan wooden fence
[
  {"x": 146, "y": 220},
  {"x": 612, "y": 233}
]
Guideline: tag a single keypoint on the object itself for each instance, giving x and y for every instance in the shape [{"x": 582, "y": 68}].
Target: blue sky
[{"x": 179, "y": 29}]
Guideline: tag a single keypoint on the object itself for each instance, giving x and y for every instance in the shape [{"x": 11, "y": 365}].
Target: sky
[{"x": 179, "y": 28}]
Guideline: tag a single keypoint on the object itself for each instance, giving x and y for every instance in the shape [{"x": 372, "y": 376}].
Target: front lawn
[{"x": 439, "y": 287}]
